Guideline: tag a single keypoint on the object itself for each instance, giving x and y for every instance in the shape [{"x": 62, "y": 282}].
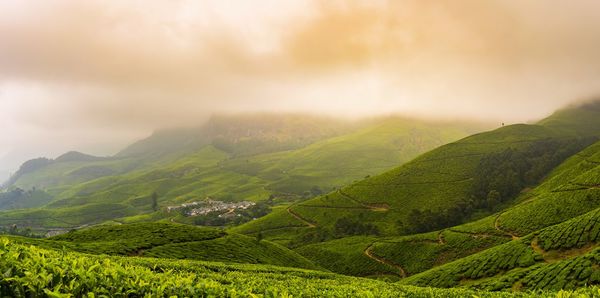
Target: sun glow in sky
[{"x": 95, "y": 75}]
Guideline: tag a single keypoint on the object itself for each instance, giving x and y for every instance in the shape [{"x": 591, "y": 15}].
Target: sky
[{"x": 96, "y": 75}]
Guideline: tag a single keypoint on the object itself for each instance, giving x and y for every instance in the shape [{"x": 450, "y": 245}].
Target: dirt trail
[
  {"x": 479, "y": 235},
  {"x": 497, "y": 227},
  {"x": 578, "y": 186},
  {"x": 300, "y": 218},
  {"x": 369, "y": 253},
  {"x": 379, "y": 207},
  {"x": 514, "y": 236},
  {"x": 553, "y": 256},
  {"x": 588, "y": 186},
  {"x": 537, "y": 248},
  {"x": 440, "y": 237}
]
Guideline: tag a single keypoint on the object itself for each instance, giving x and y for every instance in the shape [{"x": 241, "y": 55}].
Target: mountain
[
  {"x": 235, "y": 135},
  {"x": 283, "y": 158},
  {"x": 247, "y": 134},
  {"x": 581, "y": 118}
]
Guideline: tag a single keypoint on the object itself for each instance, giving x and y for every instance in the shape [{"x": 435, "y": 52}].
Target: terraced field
[
  {"x": 562, "y": 256},
  {"x": 31, "y": 271},
  {"x": 436, "y": 183},
  {"x": 174, "y": 241},
  {"x": 421, "y": 252}
]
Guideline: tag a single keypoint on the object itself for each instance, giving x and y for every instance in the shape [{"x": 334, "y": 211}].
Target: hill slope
[
  {"x": 164, "y": 240},
  {"x": 445, "y": 186},
  {"x": 227, "y": 169},
  {"x": 558, "y": 257},
  {"x": 570, "y": 190},
  {"x": 31, "y": 271}
]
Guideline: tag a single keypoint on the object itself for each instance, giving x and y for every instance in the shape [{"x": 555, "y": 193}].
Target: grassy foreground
[{"x": 28, "y": 271}]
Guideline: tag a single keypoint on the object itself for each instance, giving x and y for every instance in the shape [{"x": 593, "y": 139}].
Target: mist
[{"x": 96, "y": 75}]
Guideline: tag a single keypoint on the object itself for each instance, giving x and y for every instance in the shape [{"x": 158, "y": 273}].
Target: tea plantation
[{"x": 29, "y": 271}]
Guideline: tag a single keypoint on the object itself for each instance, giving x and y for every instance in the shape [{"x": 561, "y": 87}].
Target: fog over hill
[{"x": 123, "y": 69}]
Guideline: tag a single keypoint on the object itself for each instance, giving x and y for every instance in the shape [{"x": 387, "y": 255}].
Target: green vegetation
[
  {"x": 167, "y": 240},
  {"x": 69, "y": 217},
  {"x": 570, "y": 190},
  {"x": 515, "y": 208},
  {"x": 417, "y": 254},
  {"x": 449, "y": 185},
  {"x": 285, "y": 158},
  {"x": 34, "y": 272},
  {"x": 18, "y": 198},
  {"x": 347, "y": 256},
  {"x": 563, "y": 256}
]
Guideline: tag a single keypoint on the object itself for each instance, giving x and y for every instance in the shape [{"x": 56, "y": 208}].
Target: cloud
[{"x": 132, "y": 66}]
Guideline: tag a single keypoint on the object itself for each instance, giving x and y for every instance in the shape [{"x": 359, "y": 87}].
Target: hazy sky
[{"x": 94, "y": 75}]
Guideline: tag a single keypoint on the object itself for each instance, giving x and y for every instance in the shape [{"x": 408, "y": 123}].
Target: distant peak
[
  {"x": 76, "y": 156},
  {"x": 582, "y": 118}
]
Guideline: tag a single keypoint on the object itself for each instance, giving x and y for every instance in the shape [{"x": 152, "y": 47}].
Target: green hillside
[
  {"x": 297, "y": 158},
  {"x": 449, "y": 185},
  {"x": 568, "y": 191},
  {"x": 18, "y": 198},
  {"x": 34, "y": 272},
  {"x": 174, "y": 241},
  {"x": 563, "y": 256},
  {"x": 512, "y": 209}
]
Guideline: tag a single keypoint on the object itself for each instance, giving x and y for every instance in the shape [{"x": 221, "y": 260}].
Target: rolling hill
[
  {"x": 571, "y": 189},
  {"x": 512, "y": 209},
  {"x": 449, "y": 185},
  {"x": 172, "y": 241},
  {"x": 286, "y": 158}
]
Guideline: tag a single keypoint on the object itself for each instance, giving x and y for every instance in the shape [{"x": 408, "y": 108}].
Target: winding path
[
  {"x": 497, "y": 227},
  {"x": 440, "y": 237},
  {"x": 300, "y": 218},
  {"x": 369, "y": 253},
  {"x": 379, "y": 207}
]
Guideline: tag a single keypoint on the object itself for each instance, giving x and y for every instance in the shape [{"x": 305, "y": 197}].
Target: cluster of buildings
[
  {"x": 184, "y": 205},
  {"x": 213, "y": 206},
  {"x": 208, "y": 206}
]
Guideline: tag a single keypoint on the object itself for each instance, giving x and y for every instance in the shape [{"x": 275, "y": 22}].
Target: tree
[
  {"x": 154, "y": 201},
  {"x": 493, "y": 199},
  {"x": 315, "y": 191},
  {"x": 259, "y": 237},
  {"x": 346, "y": 226},
  {"x": 13, "y": 229}
]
